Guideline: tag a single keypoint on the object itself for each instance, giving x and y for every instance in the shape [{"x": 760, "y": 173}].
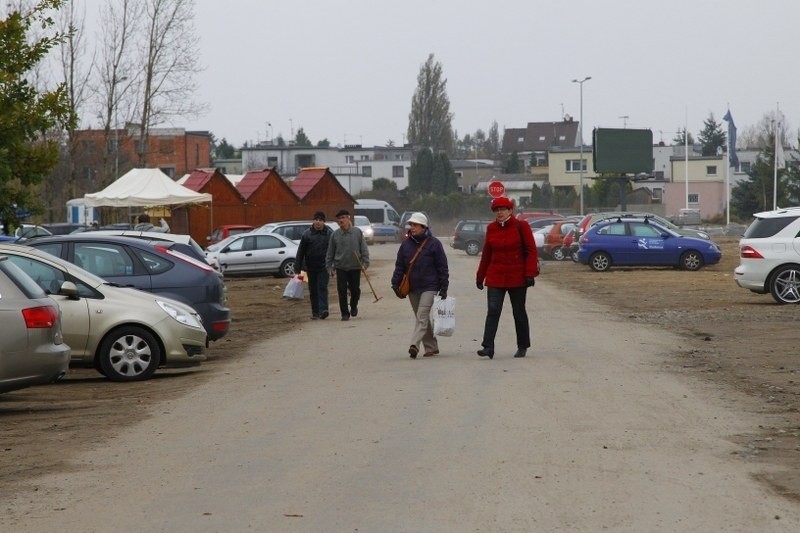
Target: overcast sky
[{"x": 347, "y": 70}]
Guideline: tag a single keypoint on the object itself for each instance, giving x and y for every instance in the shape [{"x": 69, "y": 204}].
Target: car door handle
[
  {"x": 249, "y": 254},
  {"x": 281, "y": 253}
]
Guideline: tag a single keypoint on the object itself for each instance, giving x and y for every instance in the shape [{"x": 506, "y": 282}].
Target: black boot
[
  {"x": 485, "y": 352},
  {"x": 520, "y": 352}
]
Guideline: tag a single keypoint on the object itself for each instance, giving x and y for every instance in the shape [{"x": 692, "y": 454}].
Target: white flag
[{"x": 780, "y": 159}]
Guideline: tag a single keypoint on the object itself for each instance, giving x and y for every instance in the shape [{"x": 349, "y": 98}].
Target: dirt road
[{"x": 329, "y": 426}]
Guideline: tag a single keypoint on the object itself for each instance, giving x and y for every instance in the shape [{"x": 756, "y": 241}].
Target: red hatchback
[
  {"x": 225, "y": 231},
  {"x": 553, "y": 241}
]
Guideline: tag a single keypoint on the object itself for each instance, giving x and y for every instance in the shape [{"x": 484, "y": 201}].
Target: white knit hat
[{"x": 418, "y": 218}]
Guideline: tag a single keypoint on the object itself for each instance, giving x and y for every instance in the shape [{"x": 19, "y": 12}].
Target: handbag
[
  {"x": 405, "y": 284},
  {"x": 294, "y": 289}
]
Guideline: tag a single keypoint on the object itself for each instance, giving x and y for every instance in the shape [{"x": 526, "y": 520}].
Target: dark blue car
[
  {"x": 642, "y": 242},
  {"x": 151, "y": 266}
]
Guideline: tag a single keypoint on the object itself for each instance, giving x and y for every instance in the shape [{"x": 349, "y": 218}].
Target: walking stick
[{"x": 364, "y": 270}]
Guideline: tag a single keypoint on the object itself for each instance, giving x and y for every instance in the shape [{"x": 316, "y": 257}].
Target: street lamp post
[{"x": 580, "y": 82}]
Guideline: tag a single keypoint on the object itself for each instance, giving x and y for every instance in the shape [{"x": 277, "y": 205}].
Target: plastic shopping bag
[
  {"x": 294, "y": 289},
  {"x": 443, "y": 315}
]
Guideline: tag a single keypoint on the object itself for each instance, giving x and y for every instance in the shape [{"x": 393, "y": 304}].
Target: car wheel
[
  {"x": 574, "y": 256},
  {"x": 600, "y": 261},
  {"x": 472, "y": 248},
  {"x": 129, "y": 353},
  {"x": 287, "y": 269},
  {"x": 785, "y": 285},
  {"x": 691, "y": 260},
  {"x": 558, "y": 254}
]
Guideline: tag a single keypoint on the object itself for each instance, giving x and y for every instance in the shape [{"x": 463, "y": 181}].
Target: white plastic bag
[
  {"x": 443, "y": 315},
  {"x": 294, "y": 289}
]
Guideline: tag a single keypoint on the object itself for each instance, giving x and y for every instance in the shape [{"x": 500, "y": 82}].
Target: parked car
[
  {"x": 184, "y": 243},
  {"x": 29, "y": 231},
  {"x": 469, "y": 236},
  {"x": 539, "y": 236},
  {"x": 540, "y": 222},
  {"x": 382, "y": 233},
  {"x": 532, "y": 215},
  {"x": 769, "y": 255},
  {"x": 554, "y": 240},
  {"x": 363, "y": 223},
  {"x": 123, "y": 332},
  {"x": 32, "y": 347},
  {"x": 64, "y": 228},
  {"x": 154, "y": 267},
  {"x": 291, "y": 229},
  {"x": 254, "y": 253},
  {"x": 593, "y": 218},
  {"x": 227, "y": 230},
  {"x": 643, "y": 242}
]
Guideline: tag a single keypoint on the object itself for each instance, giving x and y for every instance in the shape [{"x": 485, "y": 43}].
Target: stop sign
[{"x": 496, "y": 189}]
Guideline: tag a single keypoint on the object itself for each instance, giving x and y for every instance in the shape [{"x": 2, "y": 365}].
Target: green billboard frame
[{"x": 622, "y": 151}]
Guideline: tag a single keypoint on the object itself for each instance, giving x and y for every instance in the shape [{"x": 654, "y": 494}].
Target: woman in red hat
[{"x": 509, "y": 264}]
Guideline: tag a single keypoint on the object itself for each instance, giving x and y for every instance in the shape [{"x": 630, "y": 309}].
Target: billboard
[{"x": 622, "y": 151}]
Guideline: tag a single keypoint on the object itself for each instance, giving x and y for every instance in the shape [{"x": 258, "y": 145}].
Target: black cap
[
  {"x": 319, "y": 215},
  {"x": 342, "y": 212}
]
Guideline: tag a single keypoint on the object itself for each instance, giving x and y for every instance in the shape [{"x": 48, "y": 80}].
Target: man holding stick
[{"x": 347, "y": 255}]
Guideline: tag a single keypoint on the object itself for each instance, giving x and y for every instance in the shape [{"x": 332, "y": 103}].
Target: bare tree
[
  {"x": 169, "y": 64},
  {"x": 117, "y": 75}
]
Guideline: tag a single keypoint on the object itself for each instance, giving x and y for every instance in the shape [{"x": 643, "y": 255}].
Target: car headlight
[{"x": 180, "y": 315}]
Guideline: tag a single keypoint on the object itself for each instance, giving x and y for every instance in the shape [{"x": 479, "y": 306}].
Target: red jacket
[{"x": 509, "y": 255}]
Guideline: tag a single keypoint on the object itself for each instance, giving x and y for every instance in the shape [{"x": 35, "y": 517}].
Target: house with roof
[
  {"x": 267, "y": 197},
  {"x": 355, "y": 166},
  {"x": 226, "y": 205},
  {"x": 319, "y": 190},
  {"x": 533, "y": 142}
]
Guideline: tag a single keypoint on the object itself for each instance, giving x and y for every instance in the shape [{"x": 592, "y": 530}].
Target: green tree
[
  {"x": 755, "y": 193},
  {"x": 712, "y": 137},
  {"x": 301, "y": 139},
  {"x": 443, "y": 179},
  {"x": 384, "y": 184},
  {"x": 492, "y": 146},
  {"x": 680, "y": 137},
  {"x": 28, "y": 116},
  {"x": 324, "y": 143},
  {"x": 420, "y": 174},
  {"x": 430, "y": 119},
  {"x": 223, "y": 150},
  {"x": 512, "y": 165}
]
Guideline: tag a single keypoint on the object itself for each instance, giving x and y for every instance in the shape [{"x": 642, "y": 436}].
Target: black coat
[{"x": 312, "y": 249}]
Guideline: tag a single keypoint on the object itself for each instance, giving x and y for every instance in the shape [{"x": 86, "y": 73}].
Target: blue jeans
[
  {"x": 318, "y": 291},
  {"x": 494, "y": 303}
]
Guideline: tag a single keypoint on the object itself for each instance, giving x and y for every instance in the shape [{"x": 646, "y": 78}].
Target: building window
[
  {"x": 304, "y": 160},
  {"x": 365, "y": 158},
  {"x": 541, "y": 138},
  {"x": 272, "y": 161},
  {"x": 459, "y": 174},
  {"x": 366, "y": 171},
  {"x": 562, "y": 138},
  {"x": 348, "y": 159},
  {"x": 711, "y": 170},
  {"x": 658, "y": 194},
  {"x": 694, "y": 198},
  {"x": 397, "y": 171},
  {"x": 520, "y": 140},
  {"x": 574, "y": 165},
  {"x": 744, "y": 166},
  {"x": 169, "y": 171},
  {"x": 660, "y": 175}
]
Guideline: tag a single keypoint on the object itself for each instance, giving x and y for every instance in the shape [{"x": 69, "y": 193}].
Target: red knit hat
[{"x": 502, "y": 202}]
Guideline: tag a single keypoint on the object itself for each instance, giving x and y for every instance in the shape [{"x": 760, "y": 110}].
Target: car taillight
[
  {"x": 584, "y": 239},
  {"x": 40, "y": 317},
  {"x": 748, "y": 252}
]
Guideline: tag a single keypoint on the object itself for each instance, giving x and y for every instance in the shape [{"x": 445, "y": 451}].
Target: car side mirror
[
  {"x": 225, "y": 250},
  {"x": 69, "y": 289}
]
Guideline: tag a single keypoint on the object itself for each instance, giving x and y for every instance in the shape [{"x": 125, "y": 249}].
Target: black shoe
[
  {"x": 483, "y": 352},
  {"x": 413, "y": 351},
  {"x": 314, "y": 317},
  {"x": 520, "y": 352},
  {"x": 346, "y": 317},
  {"x": 354, "y": 311},
  {"x": 323, "y": 315}
]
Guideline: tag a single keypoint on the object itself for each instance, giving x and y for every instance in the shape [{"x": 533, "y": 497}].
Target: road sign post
[{"x": 496, "y": 189}]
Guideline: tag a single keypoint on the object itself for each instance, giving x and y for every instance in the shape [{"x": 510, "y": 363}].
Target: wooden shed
[
  {"x": 319, "y": 190},
  {"x": 267, "y": 197},
  {"x": 227, "y": 205}
]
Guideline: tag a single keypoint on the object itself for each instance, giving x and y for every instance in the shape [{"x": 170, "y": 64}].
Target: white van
[{"x": 378, "y": 212}]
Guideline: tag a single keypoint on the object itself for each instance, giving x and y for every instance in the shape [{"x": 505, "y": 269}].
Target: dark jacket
[
  {"x": 509, "y": 255},
  {"x": 430, "y": 271},
  {"x": 312, "y": 249}
]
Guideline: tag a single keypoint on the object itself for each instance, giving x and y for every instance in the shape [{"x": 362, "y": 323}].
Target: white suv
[{"x": 769, "y": 255}]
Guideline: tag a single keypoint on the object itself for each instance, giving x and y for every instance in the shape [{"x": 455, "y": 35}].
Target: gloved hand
[
  {"x": 479, "y": 284},
  {"x": 442, "y": 294},
  {"x": 396, "y": 292},
  {"x": 530, "y": 282}
]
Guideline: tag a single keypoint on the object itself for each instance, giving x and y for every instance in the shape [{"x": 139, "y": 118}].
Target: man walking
[
  {"x": 311, "y": 257},
  {"x": 347, "y": 253}
]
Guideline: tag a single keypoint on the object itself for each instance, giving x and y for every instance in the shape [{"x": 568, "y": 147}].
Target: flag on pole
[
  {"x": 780, "y": 158},
  {"x": 733, "y": 158}
]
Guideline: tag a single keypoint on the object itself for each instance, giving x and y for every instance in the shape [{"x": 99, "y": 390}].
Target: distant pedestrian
[
  {"x": 347, "y": 252},
  {"x": 145, "y": 225},
  {"x": 429, "y": 275},
  {"x": 311, "y": 257},
  {"x": 509, "y": 264}
]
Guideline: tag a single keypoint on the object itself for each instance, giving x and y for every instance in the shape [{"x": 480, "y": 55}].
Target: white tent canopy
[{"x": 144, "y": 187}]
